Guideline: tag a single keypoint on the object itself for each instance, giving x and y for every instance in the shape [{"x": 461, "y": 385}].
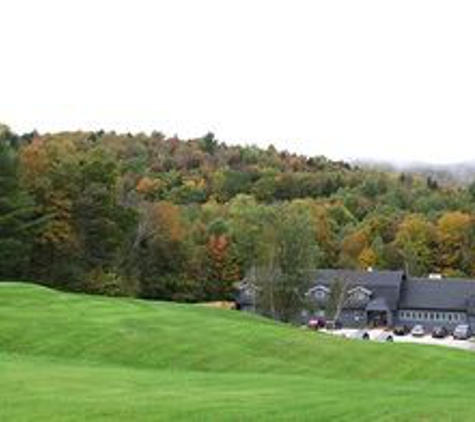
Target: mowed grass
[{"x": 69, "y": 357}]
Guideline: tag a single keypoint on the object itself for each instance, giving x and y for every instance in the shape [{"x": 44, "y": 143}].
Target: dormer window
[
  {"x": 319, "y": 292},
  {"x": 359, "y": 293}
]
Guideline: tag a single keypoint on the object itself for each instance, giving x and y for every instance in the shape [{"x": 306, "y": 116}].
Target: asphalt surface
[{"x": 374, "y": 334}]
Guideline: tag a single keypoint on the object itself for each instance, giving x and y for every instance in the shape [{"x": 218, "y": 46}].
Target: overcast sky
[{"x": 348, "y": 79}]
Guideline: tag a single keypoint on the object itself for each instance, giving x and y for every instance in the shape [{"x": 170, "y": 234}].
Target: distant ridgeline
[
  {"x": 442, "y": 174},
  {"x": 159, "y": 217}
]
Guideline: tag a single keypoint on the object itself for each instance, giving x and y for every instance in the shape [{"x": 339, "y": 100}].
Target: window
[
  {"x": 319, "y": 294},
  {"x": 359, "y": 293}
]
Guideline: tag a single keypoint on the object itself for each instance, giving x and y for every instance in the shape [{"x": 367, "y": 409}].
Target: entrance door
[{"x": 377, "y": 319}]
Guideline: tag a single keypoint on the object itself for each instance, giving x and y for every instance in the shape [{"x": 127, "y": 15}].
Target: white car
[
  {"x": 358, "y": 335},
  {"x": 384, "y": 336},
  {"x": 418, "y": 331}
]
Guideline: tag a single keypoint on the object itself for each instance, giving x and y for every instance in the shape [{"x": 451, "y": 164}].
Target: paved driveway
[{"x": 427, "y": 339}]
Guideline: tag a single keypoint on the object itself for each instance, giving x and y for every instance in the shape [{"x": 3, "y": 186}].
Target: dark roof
[
  {"x": 386, "y": 284},
  {"x": 378, "y": 304},
  {"x": 360, "y": 277},
  {"x": 245, "y": 294},
  {"x": 448, "y": 294},
  {"x": 394, "y": 289}
]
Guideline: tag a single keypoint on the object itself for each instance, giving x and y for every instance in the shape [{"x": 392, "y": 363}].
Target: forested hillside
[{"x": 158, "y": 217}]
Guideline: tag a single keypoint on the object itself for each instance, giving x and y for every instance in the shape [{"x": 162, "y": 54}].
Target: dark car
[
  {"x": 418, "y": 331},
  {"x": 316, "y": 323},
  {"x": 440, "y": 332},
  {"x": 462, "y": 332},
  {"x": 401, "y": 330}
]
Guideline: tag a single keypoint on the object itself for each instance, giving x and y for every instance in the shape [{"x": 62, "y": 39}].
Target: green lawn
[{"x": 72, "y": 357}]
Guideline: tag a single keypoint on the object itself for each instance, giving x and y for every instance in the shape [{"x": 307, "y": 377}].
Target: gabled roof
[
  {"x": 378, "y": 304},
  {"x": 359, "y": 289},
  {"x": 447, "y": 294},
  {"x": 361, "y": 277},
  {"x": 385, "y": 284},
  {"x": 317, "y": 288},
  {"x": 245, "y": 294}
]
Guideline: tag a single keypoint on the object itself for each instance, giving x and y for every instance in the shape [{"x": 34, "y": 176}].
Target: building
[{"x": 386, "y": 298}]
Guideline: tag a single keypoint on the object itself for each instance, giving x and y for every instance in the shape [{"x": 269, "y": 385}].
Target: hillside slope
[{"x": 77, "y": 357}]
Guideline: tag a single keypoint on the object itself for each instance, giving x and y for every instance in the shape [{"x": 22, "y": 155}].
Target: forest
[{"x": 152, "y": 216}]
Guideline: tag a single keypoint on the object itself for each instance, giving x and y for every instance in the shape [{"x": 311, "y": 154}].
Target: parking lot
[{"x": 427, "y": 339}]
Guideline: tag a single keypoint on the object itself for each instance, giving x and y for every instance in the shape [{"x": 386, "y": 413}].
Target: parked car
[
  {"x": 440, "y": 332},
  {"x": 418, "y": 331},
  {"x": 462, "y": 332},
  {"x": 358, "y": 335},
  {"x": 333, "y": 325},
  {"x": 384, "y": 336},
  {"x": 316, "y": 323},
  {"x": 401, "y": 330}
]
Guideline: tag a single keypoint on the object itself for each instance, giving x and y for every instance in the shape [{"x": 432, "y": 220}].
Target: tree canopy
[{"x": 159, "y": 217}]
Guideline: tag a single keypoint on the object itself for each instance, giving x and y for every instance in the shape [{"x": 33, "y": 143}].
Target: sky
[{"x": 387, "y": 80}]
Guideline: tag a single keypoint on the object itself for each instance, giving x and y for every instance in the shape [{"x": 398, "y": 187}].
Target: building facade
[{"x": 385, "y": 298}]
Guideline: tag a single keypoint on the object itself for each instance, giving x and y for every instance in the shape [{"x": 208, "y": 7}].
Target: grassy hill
[{"x": 77, "y": 357}]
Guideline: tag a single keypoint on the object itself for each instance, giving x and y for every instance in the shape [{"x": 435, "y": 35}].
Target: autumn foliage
[{"x": 159, "y": 217}]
